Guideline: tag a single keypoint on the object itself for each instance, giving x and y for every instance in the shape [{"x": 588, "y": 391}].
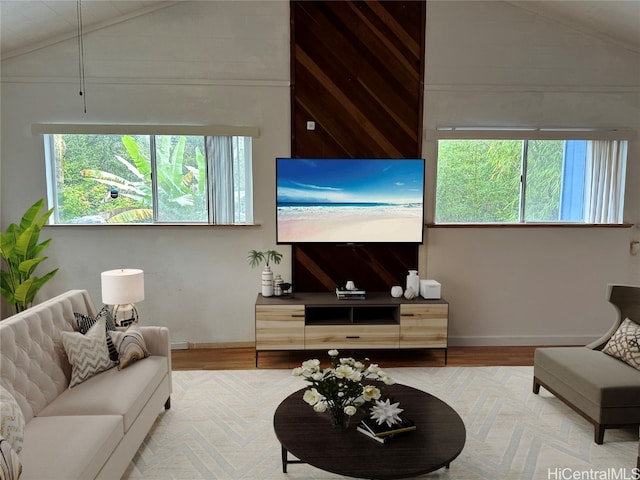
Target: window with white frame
[
  {"x": 529, "y": 180},
  {"x": 133, "y": 178}
]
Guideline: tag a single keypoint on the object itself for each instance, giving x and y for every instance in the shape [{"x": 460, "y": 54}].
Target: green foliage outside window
[
  {"x": 544, "y": 180},
  {"x": 90, "y": 169},
  {"x": 479, "y": 181}
]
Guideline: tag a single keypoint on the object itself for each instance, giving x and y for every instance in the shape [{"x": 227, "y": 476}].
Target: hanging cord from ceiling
[{"x": 83, "y": 85}]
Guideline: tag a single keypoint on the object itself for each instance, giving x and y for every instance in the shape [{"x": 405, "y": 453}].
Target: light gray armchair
[{"x": 600, "y": 387}]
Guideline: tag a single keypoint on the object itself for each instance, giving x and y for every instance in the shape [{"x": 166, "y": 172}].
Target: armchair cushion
[
  {"x": 598, "y": 380},
  {"x": 625, "y": 344}
]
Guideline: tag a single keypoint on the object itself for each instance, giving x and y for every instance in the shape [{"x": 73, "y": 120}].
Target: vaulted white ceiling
[
  {"x": 26, "y": 25},
  {"x": 616, "y": 21}
]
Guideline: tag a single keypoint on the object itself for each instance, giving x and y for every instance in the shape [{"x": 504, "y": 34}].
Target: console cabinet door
[
  {"x": 424, "y": 326},
  {"x": 351, "y": 336},
  {"x": 279, "y": 327}
]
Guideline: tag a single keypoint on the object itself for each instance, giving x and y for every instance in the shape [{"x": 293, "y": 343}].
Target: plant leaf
[
  {"x": 142, "y": 164},
  {"x": 30, "y": 216},
  {"x": 27, "y": 240},
  {"x": 140, "y": 215},
  {"x": 24, "y": 294},
  {"x": 28, "y": 266}
]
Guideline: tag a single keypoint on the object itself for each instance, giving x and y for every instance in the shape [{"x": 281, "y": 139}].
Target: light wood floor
[{"x": 245, "y": 358}]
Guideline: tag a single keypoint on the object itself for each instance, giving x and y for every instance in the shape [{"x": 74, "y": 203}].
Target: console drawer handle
[
  {"x": 408, "y": 315},
  {"x": 298, "y": 315},
  {"x": 353, "y": 336}
]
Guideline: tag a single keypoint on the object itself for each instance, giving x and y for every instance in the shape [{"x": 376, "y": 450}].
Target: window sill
[
  {"x": 529, "y": 225},
  {"x": 168, "y": 224}
]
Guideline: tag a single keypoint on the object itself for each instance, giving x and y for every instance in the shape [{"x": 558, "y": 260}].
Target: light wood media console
[{"x": 316, "y": 321}]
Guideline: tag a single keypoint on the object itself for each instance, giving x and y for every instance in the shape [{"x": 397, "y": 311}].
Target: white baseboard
[
  {"x": 179, "y": 345},
  {"x": 499, "y": 341}
]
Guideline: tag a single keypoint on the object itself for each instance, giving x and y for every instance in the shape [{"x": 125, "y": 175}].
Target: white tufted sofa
[{"x": 94, "y": 429}]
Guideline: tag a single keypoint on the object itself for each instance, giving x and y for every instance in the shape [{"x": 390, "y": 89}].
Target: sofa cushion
[
  {"x": 113, "y": 392},
  {"x": 624, "y": 344},
  {"x": 598, "y": 376},
  {"x": 11, "y": 420},
  {"x": 10, "y": 465},
  {"x": 88, "y": 354},
  {"x": 130, "y": 345},
  {"x": 85, "y": 322},
  {"x": 69, "y": 447}
]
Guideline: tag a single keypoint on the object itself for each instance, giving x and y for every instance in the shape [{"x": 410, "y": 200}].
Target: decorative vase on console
[
  {"x": 267, "y": 282},
  {"x": 413, "y": 281},
  {"x": 255, "y": 258}
]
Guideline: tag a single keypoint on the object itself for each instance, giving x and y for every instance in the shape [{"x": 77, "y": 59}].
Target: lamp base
[{"x": 124, "y": 315}]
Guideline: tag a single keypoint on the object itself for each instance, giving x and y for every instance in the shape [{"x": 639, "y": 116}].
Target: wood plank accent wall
[
  {"x": 357, "y": 71},
  {"x": 374, "y": 267}
]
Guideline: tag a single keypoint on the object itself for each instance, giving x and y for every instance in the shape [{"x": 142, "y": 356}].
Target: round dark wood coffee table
[{"x": 310, "y": 436}]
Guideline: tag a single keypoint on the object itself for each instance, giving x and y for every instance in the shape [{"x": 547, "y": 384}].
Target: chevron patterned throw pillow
[
  {"x": 625, "y": 343},
  {"x": 85, "y": 322},
  {"x": 88, "y": 354}
]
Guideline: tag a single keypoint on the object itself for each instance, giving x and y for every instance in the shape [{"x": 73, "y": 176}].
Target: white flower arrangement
[{"x": 340, "y": 388}]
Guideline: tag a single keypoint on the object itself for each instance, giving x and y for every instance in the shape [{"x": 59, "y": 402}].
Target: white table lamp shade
[{"x": 122, "y": 286}]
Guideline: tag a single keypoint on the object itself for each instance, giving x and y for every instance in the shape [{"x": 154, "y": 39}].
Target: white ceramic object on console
[
  {"x": 430, "y": 289},
  {"x": 410, "y": 293},
  {"x": 277, "y": 285},
  {"x": 350, "y": 285},
  {"x": 396, "y": 291},
  {"x": 267, "y": 282},
  {"x": 413, "y": 281}
]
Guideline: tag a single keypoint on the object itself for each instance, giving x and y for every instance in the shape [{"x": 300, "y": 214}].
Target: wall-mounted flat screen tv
[{"x": 321, "y": 200}]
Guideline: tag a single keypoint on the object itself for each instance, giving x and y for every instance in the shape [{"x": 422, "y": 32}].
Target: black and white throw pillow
[
  {"x": 85, "y": 322},
  {"x": 624, "y": 344}
]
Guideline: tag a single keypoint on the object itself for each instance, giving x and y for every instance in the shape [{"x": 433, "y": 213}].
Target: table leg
[{"x": 284, "y": 459}]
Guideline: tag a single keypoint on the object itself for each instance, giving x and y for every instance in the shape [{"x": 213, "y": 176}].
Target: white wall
[
  {"x": 488, "y": 64},
  {"x": 491, "y": 64},
  {"x": 210, "y": 63}
]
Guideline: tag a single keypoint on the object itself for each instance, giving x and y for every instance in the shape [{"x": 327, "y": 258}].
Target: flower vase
[
  {"x": 267, "y": 282},
  {"x": 339, "y": 418}
]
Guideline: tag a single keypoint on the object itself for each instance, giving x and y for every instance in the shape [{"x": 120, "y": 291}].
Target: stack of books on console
[
  {"x": 383, "y": 433},
  {"x": 344, "y": 294}
]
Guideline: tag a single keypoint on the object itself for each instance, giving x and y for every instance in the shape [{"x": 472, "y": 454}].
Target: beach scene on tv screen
[{"x": 349, "y": 200}]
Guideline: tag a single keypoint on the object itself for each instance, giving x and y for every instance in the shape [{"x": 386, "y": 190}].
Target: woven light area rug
[{"x": 220, "y": 427}]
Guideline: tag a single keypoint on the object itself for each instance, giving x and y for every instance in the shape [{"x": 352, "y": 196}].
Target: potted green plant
[
  {"x": 255, "y": 258},
  {"x": 21, "y": 253}
]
